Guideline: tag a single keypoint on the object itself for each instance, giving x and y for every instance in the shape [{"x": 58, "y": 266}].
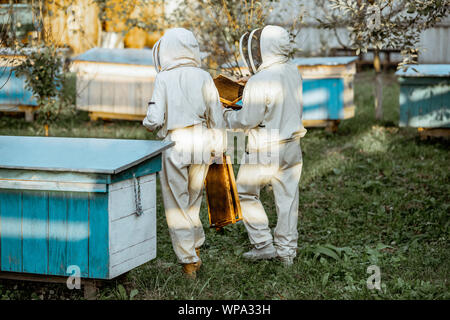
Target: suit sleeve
[
  {"x": 213, "y": 105},
  {"x": 154, "y": 119},
  {"x": 253, "y": 108}
]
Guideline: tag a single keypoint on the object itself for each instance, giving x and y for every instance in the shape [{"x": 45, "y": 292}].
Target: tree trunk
[{"x": 378, "y": 86}]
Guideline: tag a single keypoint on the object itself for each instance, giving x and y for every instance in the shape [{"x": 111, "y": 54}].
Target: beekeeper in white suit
[
  {"x": 271, "y": 114},
  {"x": 185, "y": 108}
]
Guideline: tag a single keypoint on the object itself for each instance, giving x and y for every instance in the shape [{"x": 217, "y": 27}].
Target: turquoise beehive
[
  {"x": 425, "y": 96},
  {"x": 327, "y": 89},
  {"x": 14, "y": 94},
  {"x": 89, "y": 203}
]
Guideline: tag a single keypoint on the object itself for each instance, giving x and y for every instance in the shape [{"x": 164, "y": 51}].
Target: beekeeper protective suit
[
  {"x": 271, "y": 114},
  {"x": 185, "y": 107}
]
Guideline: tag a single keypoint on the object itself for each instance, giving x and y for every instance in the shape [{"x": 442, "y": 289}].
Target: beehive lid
[
  {"x": 88, "y": 155},
  {"x": 425, "y": 70},
  {"x": 323, "y": 61},
  {"x": 141, "y": 57}
]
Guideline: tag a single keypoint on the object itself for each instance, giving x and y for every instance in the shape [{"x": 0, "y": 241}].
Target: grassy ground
[{"x": 372, "y": 194}]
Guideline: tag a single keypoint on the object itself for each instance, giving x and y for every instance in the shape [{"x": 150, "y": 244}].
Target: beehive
[
  {"x": 114, "y": 83},
  {"x": 327, "y": 89},
  {"x": 14, "y": 95},
  {"x": 88, "y": 203},
  {"x": 425, "y": 96}
]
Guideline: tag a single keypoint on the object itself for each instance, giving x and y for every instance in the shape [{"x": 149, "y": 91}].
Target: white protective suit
[
  {"x": 185, "y": 107},
  {"x": 271, "y": 114}
]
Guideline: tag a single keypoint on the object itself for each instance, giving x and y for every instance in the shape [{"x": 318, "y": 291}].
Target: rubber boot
[
  {"x": 190, "y": 270},
  {"x": 267, "y": 252},
  {"x": 199, "y": 262},
  {"x": 286, "y": 260}
]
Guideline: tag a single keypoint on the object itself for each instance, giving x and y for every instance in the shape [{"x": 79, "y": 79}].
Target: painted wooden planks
[
  {"x": 78, "y": 231},
  {"x": 132, "y": 237},
  {"x": 50, "y": 176},
  {"x": 129, "y": 56},
  {"x": 52, "y": 185},
  {"x": 45, "y": 232},
  {"x": 424, "y": 102},
  {"x": 131, "y": 230},
  {"x": 98, "y": 236},
  {"x": 11, "y": 230},
  {"x": 35, "y": 232},
  {"x": 424, "y": 96},
  {"x": 327, "y": 89},
  {"x": 57, "y": 235},
  {"x": 132, "y": 257},
  {"x": 323, "y": 99},
  {"x": 325, "y": 61},
  {"x": 122, "y": 196},
  {"x": 327, "y": 72},
  {"x": 14, "y": 91},
  {"x": 425, "y": 70},
  {"x": 119, "y": 82}
]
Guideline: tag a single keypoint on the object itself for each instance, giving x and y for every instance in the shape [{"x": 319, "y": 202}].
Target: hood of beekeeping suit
[
  {"x": 249, "y": 47},
  {"x": 178, "y": 47},
  {"x": 262, "y": 48}
]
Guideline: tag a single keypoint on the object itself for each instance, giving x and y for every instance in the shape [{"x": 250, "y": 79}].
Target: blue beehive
[
  {"x": 327, "y": 89},
  {"x": 14, "y": 92},
  {"x": 425, "y": 96},
  {"x": 89, "y": 203},
  {"x": 14, "y": 96}
]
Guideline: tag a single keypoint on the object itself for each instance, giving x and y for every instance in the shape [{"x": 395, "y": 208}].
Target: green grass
[{"x": 371, "y": 194}]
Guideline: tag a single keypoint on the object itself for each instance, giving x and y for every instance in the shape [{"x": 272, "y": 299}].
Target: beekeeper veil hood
[
  {"x": 264, "y": 47},
  {"x": 178, "y": 47}
]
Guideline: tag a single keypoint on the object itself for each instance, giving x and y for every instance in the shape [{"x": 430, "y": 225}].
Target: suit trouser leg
[
  {"x": 286, "y": 193},
  {"x": 284, "y": 177},
  {"x": 182, "y": 187},
  {"x": 197, "y": 176},
  {"x": 249, "y": 182}
]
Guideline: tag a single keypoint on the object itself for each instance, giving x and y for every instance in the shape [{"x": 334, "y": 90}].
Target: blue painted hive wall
[
  {"x": 327, "y": 88},
  {"x": 425, "y": 102},
  {"x": 323, "y": 99},
  {"x": 14, "y": 91},
  {"x": 44, "y": 232}
]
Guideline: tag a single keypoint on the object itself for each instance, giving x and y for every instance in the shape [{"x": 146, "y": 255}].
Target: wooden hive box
[
  {"x": 14, "y": 96},
  {"x": 327, "y": 89},
  {"x": 425, "y": 96},
  {"x": 114, "y": 83},
  {"x": 230, "y": 92},
  {"x": 72, "y": 202},
  {"x": 222, "y": 198}
]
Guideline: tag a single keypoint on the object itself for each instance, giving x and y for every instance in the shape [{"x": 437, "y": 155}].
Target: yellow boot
[
  {"x": 190, "y": 270},
  {"x": 199, "y": 262}
]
